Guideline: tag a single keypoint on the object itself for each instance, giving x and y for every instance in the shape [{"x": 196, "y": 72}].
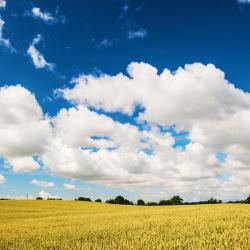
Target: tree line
[{"x": 175, "y": 200}]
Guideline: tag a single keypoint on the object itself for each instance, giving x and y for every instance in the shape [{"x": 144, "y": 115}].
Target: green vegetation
[{"x": 46, "y": 224}]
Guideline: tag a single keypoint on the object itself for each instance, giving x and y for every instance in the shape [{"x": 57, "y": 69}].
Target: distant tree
[
  {"x": 39, "y": 198},
  {"x": 212, "y": 201},
  {"x": 120, "y": 200},
  {"x": 248, "y": 200},
  {"x": 128, "y": 202},
  {"x": 140, "y": 202},
  {"x": 98, "y": 200},
  {"x": 152, "y": 203},
  {"x": 110, "y": 201},
  {"x": 176, "y": 200},
  {"x": 165, "y": 202},
  {"x": 83, "y": 199}
]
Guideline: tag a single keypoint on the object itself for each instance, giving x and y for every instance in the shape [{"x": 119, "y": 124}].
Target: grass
[{"x": 86, "y": 225}]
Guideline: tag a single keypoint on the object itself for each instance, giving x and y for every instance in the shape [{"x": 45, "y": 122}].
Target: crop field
[{"x": 89, "y": 225}]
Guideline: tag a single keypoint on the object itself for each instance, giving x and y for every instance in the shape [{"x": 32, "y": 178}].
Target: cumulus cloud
[
  {"x": 69, "y": 186},
  {"x": 46, "y": 195},
  {"x": 2, "y": 4},
  {"x": 141, "y": 33},
  {"x": 2, "y": 179},
  {"x": 44, "y": 184},
  {"x": 37, "y": 58},
  {"x": 121, "y": 160},
  {"x": 22, "y": 164},
  {"x": 24, "y": 130},
  {"x": 196, "y": 98},
  {"x": 91, "y": 146},
  {"x": 193, "y": 97},
  {"x": 3, "y": 41}
]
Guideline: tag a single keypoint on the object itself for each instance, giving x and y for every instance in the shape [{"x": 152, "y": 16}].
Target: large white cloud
[
  {"x": 24, "y": 130},
  {"x": 87, "y": 145},
  {"x": 121, "y": 160},
  {"x": 196, "y": 98},
  {"x": 178, "y": 92}
]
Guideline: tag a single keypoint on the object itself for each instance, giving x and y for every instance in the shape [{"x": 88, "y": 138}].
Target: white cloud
[
  {"x": 69, "y": 186},
  {"x": 2, "y": 4},
  {"x": 141, "y": 33},
  {"x": 46, "y": 195},
  {"x": 3, "y": 41},
  {"x": 37, "y": 58},
  {"x": 105, "y": 43},
  {"x": 22, "y": 164},
  {"x": 125, "y": 165},
  {"x": 179, "y": 93},
  {"x": 45, "y": 16},
  {"x": 24, "y": 130},
  {"x": 2, "y": 179},
  {"x": 44, "y": 184},
  {"x": 196, "y": 98},
  {"x": 87, "y": 145}
]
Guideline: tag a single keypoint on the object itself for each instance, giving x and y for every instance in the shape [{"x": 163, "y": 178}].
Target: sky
[{"x": 146, "y": 99}]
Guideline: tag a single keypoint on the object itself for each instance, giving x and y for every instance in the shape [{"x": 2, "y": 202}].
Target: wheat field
[{"x": 86, "y": 225}]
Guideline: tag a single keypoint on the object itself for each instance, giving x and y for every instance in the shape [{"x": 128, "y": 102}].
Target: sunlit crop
[{"x": 86, "y": 225}]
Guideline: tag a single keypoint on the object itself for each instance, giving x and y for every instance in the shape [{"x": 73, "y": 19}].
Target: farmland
[{"x": 89, "y": 225}]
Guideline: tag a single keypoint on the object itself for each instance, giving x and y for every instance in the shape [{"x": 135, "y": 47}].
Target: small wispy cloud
[
  {"x": 2, "y": 179},
  {"x": 3, "y": 41},
  {"x": 44, "y": 184},
  {"x": 139, "y": 7},
  {"x": 2, "y": 4},
  {"x": 103, "y": 43},
  {"x": 243, "y": 1},
  {"x": 45, "y": 16},
  {"x": 141, "y": 33},
  {"x": 131, "y": 28},
  {"x": 37, "y": 58},
  {"x": 125, "y": 7},
  {"x": 69, "y": 186}
]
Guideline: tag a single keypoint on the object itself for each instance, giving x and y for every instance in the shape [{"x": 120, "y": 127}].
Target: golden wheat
[{"x": 86, "y": 225}]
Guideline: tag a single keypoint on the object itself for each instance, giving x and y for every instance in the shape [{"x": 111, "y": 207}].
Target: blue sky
[{"x": 92, "y": 38}]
